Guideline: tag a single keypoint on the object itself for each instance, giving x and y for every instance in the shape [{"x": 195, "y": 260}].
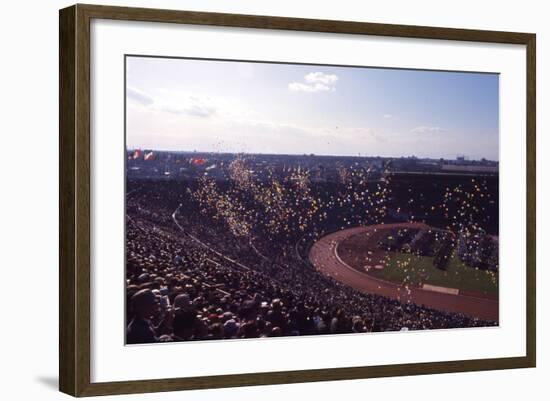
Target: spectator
[{"x": 144, "y": 306}]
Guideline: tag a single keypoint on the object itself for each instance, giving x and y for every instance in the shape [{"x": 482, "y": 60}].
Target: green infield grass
[{"x": 417, "y": 270}]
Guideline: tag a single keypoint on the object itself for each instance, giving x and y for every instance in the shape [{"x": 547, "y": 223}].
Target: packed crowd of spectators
[{"x": 188, "y": 279}]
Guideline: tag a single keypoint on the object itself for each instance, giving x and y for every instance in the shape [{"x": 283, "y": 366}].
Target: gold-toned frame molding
[{"x": 74, "y": 199}]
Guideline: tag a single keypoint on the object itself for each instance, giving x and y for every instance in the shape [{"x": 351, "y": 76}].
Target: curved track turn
[{"x": 324, "y": 257}]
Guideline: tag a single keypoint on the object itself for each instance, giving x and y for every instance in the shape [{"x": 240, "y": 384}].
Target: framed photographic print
[{"x": 262, "y": 200}]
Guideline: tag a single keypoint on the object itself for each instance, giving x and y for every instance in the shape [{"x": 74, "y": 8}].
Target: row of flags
[
  {"x": 150, "y": 155},
  {"x": 138, "y": 154}
]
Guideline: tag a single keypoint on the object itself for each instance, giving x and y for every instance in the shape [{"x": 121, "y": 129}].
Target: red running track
[{"x": 323, "y": 255}]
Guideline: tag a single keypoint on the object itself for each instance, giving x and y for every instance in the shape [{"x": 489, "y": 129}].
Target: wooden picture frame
[{"x": 74, "y": 203}]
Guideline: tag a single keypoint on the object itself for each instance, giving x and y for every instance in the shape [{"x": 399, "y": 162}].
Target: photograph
[{"x": 270, "y": 199}]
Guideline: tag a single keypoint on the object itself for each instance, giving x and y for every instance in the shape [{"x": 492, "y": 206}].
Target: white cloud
[
  {"x": 319, "y": 77},
  {"x": 178, "y": 103},
  {"x": 315, "y": 82},
  {"x": 387, "y": 116},
  {"x": 193, "y": 106},
  {"x": 428, "y": 130},
  {"x": 139, "y": 96}
]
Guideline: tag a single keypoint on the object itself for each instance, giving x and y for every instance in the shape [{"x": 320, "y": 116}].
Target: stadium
[{"x": 224, "y": 246}]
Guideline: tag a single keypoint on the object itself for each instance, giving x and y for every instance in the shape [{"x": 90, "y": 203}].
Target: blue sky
[{"x": 227, "y": 106}]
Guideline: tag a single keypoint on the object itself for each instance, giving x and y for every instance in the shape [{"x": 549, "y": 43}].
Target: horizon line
[{"x": 143, "y": 148}]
